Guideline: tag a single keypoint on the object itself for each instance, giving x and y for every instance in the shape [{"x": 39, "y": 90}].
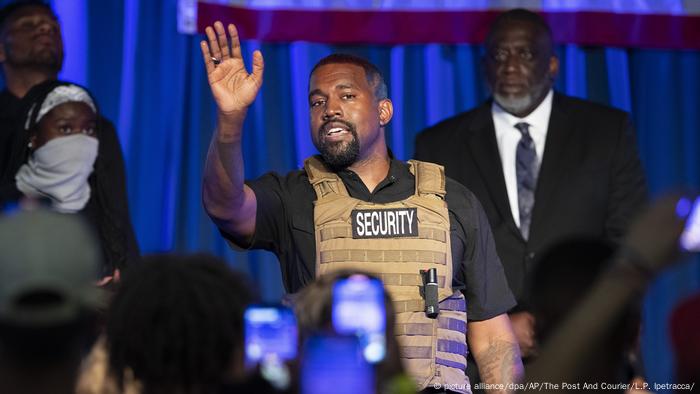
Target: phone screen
[
  {"x": 335, "y": 364},
  {"x": 690, "y": 238},
  {"x": 358, "y": 308},
  {"x": 270, "y": 333}
]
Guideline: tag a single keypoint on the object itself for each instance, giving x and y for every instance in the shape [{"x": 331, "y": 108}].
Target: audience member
[
  {"x": 95, "y": 375},
  {"x": 561, "y": 279},
  {"x": 48, "y": 300},
  {"x": 354, "y": 206},
  {"x": 176, "y": 323},
  {"x": 313, "y": 306},
  {"x": 575, "y": 347},
  {"x": 31, "y": 52},
  {"x": 685, "y": 338},
  {"x": 60, "y": 162}
]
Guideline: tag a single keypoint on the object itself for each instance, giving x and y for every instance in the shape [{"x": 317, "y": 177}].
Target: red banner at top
[{"x": 651, "y": 27}]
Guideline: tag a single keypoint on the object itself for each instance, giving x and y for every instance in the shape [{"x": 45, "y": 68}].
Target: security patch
[{"x": 384, "y": 223}]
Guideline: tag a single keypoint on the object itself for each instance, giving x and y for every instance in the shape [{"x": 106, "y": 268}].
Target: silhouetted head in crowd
[
  {"x": 31, "y": 47},
  {"x": 48, "y": 300},
  {"x": 520, "y": 62},
  {"x": 562, "y": 278},
  {"x": 177, "y": 323},
  {"x": 313, "y": 307}
]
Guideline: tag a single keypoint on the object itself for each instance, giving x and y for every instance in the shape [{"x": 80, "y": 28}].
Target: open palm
[{"x": 234, "y": 89}]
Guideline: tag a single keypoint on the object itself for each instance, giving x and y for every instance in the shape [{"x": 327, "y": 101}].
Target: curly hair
[{"x": 177, "y": 323}]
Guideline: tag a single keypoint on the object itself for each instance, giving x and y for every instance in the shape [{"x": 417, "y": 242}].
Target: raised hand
[{"x": 234, "y": 89}]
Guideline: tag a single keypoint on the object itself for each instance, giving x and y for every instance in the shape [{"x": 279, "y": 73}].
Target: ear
[
  {"x": 553, "y": 67},
  {"x": 386, "y": 111},
  {"x": 32, "y": 142}
]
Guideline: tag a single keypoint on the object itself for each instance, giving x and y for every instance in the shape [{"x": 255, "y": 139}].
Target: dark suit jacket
[{"x": 590, "y": 181}]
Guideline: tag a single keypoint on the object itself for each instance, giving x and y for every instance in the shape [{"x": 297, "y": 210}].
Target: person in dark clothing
[
  {"x": 418, "y": 207},
  {"x": 545, "y": 166},
  {"x": 561, "y": 279},
  {"x": 31, "y": 53},
  {"x": 57, "y": 160}
]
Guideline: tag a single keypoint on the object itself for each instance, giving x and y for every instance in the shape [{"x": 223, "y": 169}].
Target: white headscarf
[{"x": 60, "y": 95}]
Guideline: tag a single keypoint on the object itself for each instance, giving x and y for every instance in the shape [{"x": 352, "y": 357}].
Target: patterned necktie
[{"x": 526, "y": 169}]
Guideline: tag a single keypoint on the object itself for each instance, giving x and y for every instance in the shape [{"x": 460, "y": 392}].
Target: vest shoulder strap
[
  {"x": 323, "y": 180},
  {"x": 430, "y": 178}
]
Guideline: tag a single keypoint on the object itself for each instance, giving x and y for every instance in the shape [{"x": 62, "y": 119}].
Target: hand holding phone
[
  {"x": 270, "y": 331},
  {"x": 358, "y": 308},
  {"x": 334, "y": 364}
]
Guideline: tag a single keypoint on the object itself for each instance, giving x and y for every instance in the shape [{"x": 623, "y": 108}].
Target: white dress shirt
[{"x": 507, "y": 137}]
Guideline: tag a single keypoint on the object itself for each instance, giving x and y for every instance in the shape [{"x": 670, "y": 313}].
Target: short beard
[
  {"x": 519, "y": 105},
  {"x": 339, "y": 155},
  {"x": 47, "y": 60}
]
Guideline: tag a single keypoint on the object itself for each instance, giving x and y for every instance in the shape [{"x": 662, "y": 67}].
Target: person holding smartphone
[
  {"x": 319, "y": 308},
  {"x": 355, "y": 206}
]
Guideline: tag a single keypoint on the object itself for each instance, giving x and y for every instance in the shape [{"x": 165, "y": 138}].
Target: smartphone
[
  {"x": 690, "y": 238},
  {"x": 334, "y": 363},
  {"x": 270, "y": 334},
  {"x": 358, "y": 309}
]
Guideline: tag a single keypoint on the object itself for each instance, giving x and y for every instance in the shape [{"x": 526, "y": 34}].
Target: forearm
[
  {"x": 226, "y": 198},
  {"x": 497, "y": 354}
]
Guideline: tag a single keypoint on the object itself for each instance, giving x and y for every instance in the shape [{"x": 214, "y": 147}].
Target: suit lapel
[
  {"x": 484, "y": 149},
  {"x": 559, "y": 132}
]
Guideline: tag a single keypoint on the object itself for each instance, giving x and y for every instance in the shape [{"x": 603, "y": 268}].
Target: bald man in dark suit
[{"x": 545, "y": 166}]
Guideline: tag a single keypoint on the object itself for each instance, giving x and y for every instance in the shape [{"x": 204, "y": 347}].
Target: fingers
[
  {"x": 258, "y": 66},
  {"x": 214, "y": 48},
  {"x": 235, "y": 41},
  {"x": 217, "y": 44},
  {"x": 223, "y": 40},
  {"x": 206, "y": 55},
  {"x": 104, "y": 281}
]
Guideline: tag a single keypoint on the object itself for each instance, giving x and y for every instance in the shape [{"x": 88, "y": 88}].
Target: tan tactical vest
[{"x": 395, "y": 241}]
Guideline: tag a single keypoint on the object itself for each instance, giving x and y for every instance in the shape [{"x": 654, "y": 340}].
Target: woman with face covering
[{"x": 57, "y": 156}]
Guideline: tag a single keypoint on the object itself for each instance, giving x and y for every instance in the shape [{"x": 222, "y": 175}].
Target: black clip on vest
[{"x": 430, "y": 292}]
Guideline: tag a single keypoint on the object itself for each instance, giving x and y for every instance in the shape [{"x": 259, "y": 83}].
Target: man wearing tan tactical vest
[{"x": 354, "y": 206}]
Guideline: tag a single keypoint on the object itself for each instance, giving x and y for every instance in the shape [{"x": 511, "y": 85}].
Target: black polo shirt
[{"x": 285, "y": 226}]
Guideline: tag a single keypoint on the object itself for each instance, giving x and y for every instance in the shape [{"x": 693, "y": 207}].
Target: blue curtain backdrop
[{"x": 150, "y": 81}]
